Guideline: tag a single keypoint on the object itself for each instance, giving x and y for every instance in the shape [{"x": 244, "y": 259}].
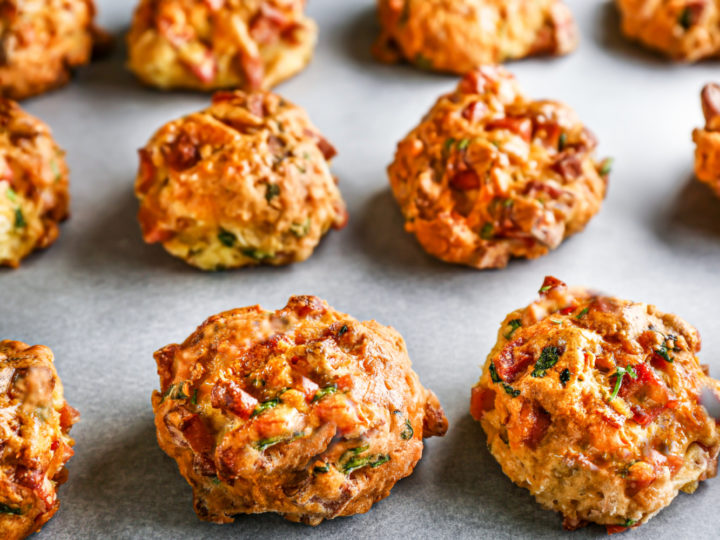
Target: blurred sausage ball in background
[
  {"x": 244, "y": 182},
  {"x": 489, "y": 175},
  {"x": 42, "y": 40},
  {"x": 35, "y": 421},
  {"x": 303, "y": 411},
  {"x": 34, "y": 193},
  {"x": 217, "y": 44},
  {"x": 599, "y": 406},
  {"x": 461, "y": 35},
  {"x": 707, "y": 140}
]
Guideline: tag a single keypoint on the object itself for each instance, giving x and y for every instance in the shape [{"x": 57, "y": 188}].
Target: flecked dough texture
[
  {"x": 707, "y": 140},
  {"x": 33, "y": 184},
  {"x": 42, "y": 40},
  {"x": 34, "y": 424},
  {"x": 219, "y": 44},
  {"x": 303, "y": 411},
  {"x": 489, "y": 174},
  {"x": 460, "y": 35},
  {"x": 244, "y": 182},
  {"x": 684, "y": 30},
  {"x": 595, "y": 405}
]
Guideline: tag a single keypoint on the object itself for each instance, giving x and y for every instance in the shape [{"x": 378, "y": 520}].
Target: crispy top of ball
[
  {"x": 242, "y": 182},
  {"x": 303, "y": 411},
  {"x": 595, "y": 404},
  {"x": 33, "y": 184},
  {"x": 214, "y": 44},
  {"x": 489, "y": 174},
  {"x": 684, "y": 30},
  {"x": 461, "y": 35},
  {"x": 34, "y": 427}
]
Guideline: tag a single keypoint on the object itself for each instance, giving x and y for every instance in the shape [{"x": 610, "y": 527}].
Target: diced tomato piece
[
  {"x": 253, "y": 69},
  {"x": 534, "y": 422},
  {"x": 482, "y": 400},
  {"x": 614, "y": 529},
  {"x": 68, "y": 416},
  {"x": 568, "y": 310},
  {"x": 228, "y": 395},
  {"x": 465, "y": 180},
  {"x": 551, "y": 283},
  {"x": 510, "y": 364},
  {"x": 474, "y": 111},
  {"x": 197, "y": 434}
]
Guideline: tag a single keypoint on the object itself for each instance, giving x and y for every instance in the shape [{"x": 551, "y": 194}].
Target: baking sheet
[{"x": 104, "y": 301}]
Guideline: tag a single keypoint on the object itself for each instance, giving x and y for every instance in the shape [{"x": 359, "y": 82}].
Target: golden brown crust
[
  {"x": 41, "y": 41},
  {"x": 684, "y": 30},
  {"x": 460, "y": 35},
  {"x": 219, "y": 44},
  {"x": 707, "y": 140},
  {"x": 489, "y": 175},
  {"x": 244, "y": 182},
  {"x": 34, "y": 427},
  {"x": 594, "y": 404},
  {"x": 304, "y": 411},
  {"x": 33, "y": 184}
]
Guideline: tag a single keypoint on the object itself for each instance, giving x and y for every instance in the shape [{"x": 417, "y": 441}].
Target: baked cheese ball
[
  {"x": 35, "y": 446},
  {"x": 33, "y": 184},
  {"x": 489, "y": 174},
  {"x": 42, "y": 41},
  {"x": 460, "y": 35},
  {"x": 596, "y": 405},
  {"x": 684, "y": 30},
  {"x": 707, "y": 140},
  {"x": 303, "y": 411},
  {"x": 244, "y": 182},
  {"x": 219, "y": 44}
]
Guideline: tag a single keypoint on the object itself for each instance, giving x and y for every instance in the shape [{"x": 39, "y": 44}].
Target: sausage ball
[
  {"x": 684, "y": 30},
  {"x": 595, "y": 404},
  {"x": 707, "y": 140},
  {"x": 244, "y": 182},
  {"x": 41, "y": 42},
  {"x": 303, "y": 411},
  {"x": 460, "y": 35},
  {"x": 489, "y": 175},
  {"x": 34, "y": 427},
  {"x": 33, "y": 184},
  {"x": 216, "y": 44}
]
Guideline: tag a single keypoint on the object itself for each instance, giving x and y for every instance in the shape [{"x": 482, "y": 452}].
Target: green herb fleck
[
  {"x": 545, "y": 289},
  {"x": 380, "y": 460},
  {"x": 55, "y": 170},
  {"x": 323, "y": 392},
  {"x": 5, "y": 509},
  {"x": 449, "y": 143},
  {"x": 562, "y": 141},
  {"x": 629, "y": 523},
  {"x": 423, "y": 62},
  {"x": 606, "y": 166},
  {"x": 194, "y": 397},
  {"x": 271, "y": 191},
  {"x": 565, "y": 376},
  {"x": 463, "y": 144},
  {"x": 487, "y": 231},
  {"x": 514, "y": 325},
  {"x": 619, "y": 375},
  {"x": 257, "y": 254},
  {"x": 267, "y": 443},
  {"x": 664, "y": 353},
  {"x": 548, "y": 358},
  {"x": 301, "y": 229},
  {"x": 226, "y": 238},
  {"x": 10, "y": 192},
  {"x": 494, "y": 374},
  {"x": 321, "y": 470},
  {"x": 583, "y": 313},
  {"x": 342, "y": 330},
  {"x": 686, "y": 19},
  {"x": 265, "y": 406},
  {"x": 216, "y": 481},
  {"x": 20, "y": 222},
  {"x": 176, "y": 391},
  {"x": 407, "y": 433},
  {"x": 510, "y": 390}
]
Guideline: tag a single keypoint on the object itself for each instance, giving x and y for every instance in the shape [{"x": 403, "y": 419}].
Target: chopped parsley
[
  {"x": 357, "y": 461},
  {"x": 55, "y": 170},
  {"x": 562, "y": 141},
  {"x": 323, "y": 392},
  {"x": 226, "y": 238},
  {"x": 509, "y": 390},
  {"x": 664, "y": 353},
  {"x": 514, "y": 325},
  {"x": 449, "y": 143},
  {"x": 342, "y": 330},
  {"x": 583, "y": 313},
  {"x": 265, "y": 406},
  {"x": 267, "y": 443},
  {"x": 606, "y": 166},
  {"x": 271, "y": 191},
  {"x": 548, "y": 358},
  {"x": 257, "y": 254},
  {"x": 5, "y": 509},
  {"x": 487, "y": 231},
  {"x": 407, "y": 433},
  {"x": 619, "y": 375},
  {"x": 423, "y": 62},
  {"x": 686, "y": 19},
  {"x": 321, "y": 469},
  {"x": 10, "y": 192},
  {"x": 20, "y": 222},
  {"x": 301, "y": 229},
  {"x": 176, "y": 391},
  {"x": 194, "y": 397},
  {"x": 494, "y": 374},
  {"x": 629, "y": 522},
  {"x": 463, "y": 144},
  {"x": 565, "y": 376}
]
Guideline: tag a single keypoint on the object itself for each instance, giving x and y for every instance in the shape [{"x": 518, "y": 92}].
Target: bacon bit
[
  {"x": 641, "y": 475},
  {"x": 614, "y": 529},
  {"x": 344, "y": 383},
  {"x": 228, "y": 395},
  {"x": 534, "y": 422},
  {"x": 268, "y": 24},
  {"x": 6, "y": 173},
  {"x": 482, "y": 400},
  {"x": 519, "y": 126},
  {"x": 465, "y": 180},
  {"x": 342, "y": 217},
  {"x": 648, "y": 381},
  {"x": 474, "y": 111},
  {"x": 710, "y": 97},
  {"x": 147, "y": 170},
  {"x": 151, "y": 229},
  {"x": 305, "y": 306},
  {"x": 253, "y": 69},
  {"x": 30, "y": 478},
  {"x": 510, "y": 365},
  {"x": 569, "y": 166},
  {"x": 214, "y": 5},
  {"x": 475, "y": 82},
  {"x": 68, "y": 416},
  {"x": 309, "y": 388},
  {"x": 327, "y": 149},
  {"x": 643, "y": 417},
  {"x": 568, "y": 310},
  {"x": 206, "y": 69},
  {"x": 222, "y": 96},
  {"x": 536, "y": 186},
  {"x": 256, "y": 105},
  {"x": 550, "y": 284},
  {"x": 197, "y": 434},
  {"x": 54, "y": 446},
  {"x": 674, "y": 463},
  {"x": 182, "y": 153}
]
